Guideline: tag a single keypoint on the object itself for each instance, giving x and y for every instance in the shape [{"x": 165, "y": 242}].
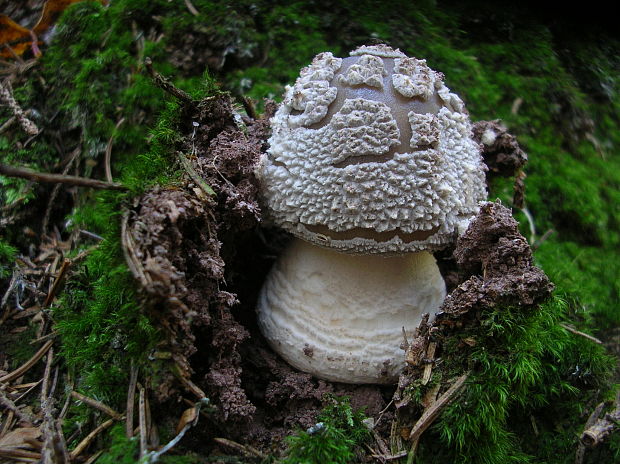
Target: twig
[
  {"x": 433, "y": 412},
  {"x": 61, "y": 274},
  {"x": 8, "y": 423},
  {"x": 108, "y": 152},
  {"x": 22, "y": 455},
  {"x": 581, "y": 448},
  {"x": 142, "y": 421},
  {"x": 48, "y": 211},
  {"x": 97, "y": 405},
  {"x": 581, "y": 334},
  {"x": 164, "y": 84},
  {"x": 393, "y": 457},
  {"x": 248, "y": 106},
  {"x": 6, "y": 96},
  {"x": 428, "y": 368},
  {"x": 245, "y": 449},
  {"x": 194, "y": 175},
  {"x": 62, "y": 443},
  {"x": 94, "y": 457},
  {"x": 133, "y": 263},
  {"x": 35, "y": 176},
  {"x": 89, "y": 438},
  {"x": 48, "y": 428},
  {"x": 131, "y": 399},
  {"x": 10, "y": 405},
  {"x": 154, "y": 456},
  {"x": 594, "y": 434},
  {"x": 46, "y": 375},
  {"x": 36, "y": 384},
  {"x": 31, "y": 362},
  {"x": 542, "y": 239},
  {"x": 192, "y": 9}
]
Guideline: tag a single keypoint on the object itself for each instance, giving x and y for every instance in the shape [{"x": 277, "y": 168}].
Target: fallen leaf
[
  {"x": 188, "y": 416},
  {"x": 15, "y": 39},
  {"x": 24, "y": 437}
]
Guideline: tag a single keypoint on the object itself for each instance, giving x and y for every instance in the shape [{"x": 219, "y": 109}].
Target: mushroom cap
[{"x": 372, "y": 154}]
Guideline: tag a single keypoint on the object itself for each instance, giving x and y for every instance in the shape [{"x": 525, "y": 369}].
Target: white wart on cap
[{"x": 371, "y": 154}]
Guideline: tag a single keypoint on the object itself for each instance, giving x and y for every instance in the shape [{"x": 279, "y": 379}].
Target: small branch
[
  {"x": 97, "y": 405},
  {"x": 108, "y": 152},
  {"x": 25, "y": 173},
  {"x": 21, "y": 455},
  {"x": 248, "y": 106},
  {"x": 394, "y": 457},
  {"x": 131, "y": 399},
  {"x": 89, "y": 438},
  {"x": 433, "y": 412},
  {"x": 10, "y": 405},
  {"x": 245, "y": 449},
  {"x": 430, "y": 357},
  {"x": 595, "y": 433},
  {"x": 581, "y": 448},
  {"x": 194, "y": 175},
  {"x": 192, "y": 9},
  {"x": 581, "y": 334},
  {"x": 164, "y": 84},
  {"x": 66, "y": 264},
  {"x": 31, "y": 362},
  {"x": 142, "y": 422},
  {"x": 154, "y": 456},
  {"x": 6, "y": 96}
]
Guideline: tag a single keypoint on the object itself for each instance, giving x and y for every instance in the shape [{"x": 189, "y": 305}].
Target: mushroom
[{"x": 371, "y": 166}]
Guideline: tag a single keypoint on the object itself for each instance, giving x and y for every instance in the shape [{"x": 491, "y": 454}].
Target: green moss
[
  {"x": 7, "y": 259},
  {"x": 333, "y": 440},
  {"x": 524, "y": 367}
]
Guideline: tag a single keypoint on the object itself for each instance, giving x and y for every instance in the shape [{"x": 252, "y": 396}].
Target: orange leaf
[
  {"x": 51, "y": 11},
  {"x": 14, "y": 36}
]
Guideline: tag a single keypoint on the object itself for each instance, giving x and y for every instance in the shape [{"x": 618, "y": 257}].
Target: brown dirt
[{"x": 205, "y": 259}]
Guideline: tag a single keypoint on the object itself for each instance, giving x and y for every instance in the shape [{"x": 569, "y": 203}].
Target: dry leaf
[
  {"x": 15, "y": 39},
  {"x": 12, "y": 36},
  {"x": 25, "y": 437},
  {"x": 188, "y": 416}
]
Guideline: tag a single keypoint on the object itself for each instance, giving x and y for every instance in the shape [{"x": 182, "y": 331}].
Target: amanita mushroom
[{"x": 371, "y": 167}]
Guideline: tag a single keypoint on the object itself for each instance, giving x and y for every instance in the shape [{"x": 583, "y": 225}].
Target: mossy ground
[{"x": 556, "y": 92}]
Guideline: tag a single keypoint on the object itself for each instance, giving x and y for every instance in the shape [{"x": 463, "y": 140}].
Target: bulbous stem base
[{"x": 340, "y": 317}]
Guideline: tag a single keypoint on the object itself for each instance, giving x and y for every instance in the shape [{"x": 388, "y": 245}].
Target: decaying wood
[
  {"x": 595, "y": 433},
  {"x": 30, "y": 174},
  {"x": 581, "y": 448}
]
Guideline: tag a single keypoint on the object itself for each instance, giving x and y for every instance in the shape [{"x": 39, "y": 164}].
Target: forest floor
[{"x": 132, "y": 249}]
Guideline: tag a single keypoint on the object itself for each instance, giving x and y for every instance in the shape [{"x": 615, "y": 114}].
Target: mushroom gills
[{"x": 340, "y": 317}]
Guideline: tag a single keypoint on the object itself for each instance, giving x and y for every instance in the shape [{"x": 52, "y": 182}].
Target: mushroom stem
[{"x": 340, "y": 317}]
